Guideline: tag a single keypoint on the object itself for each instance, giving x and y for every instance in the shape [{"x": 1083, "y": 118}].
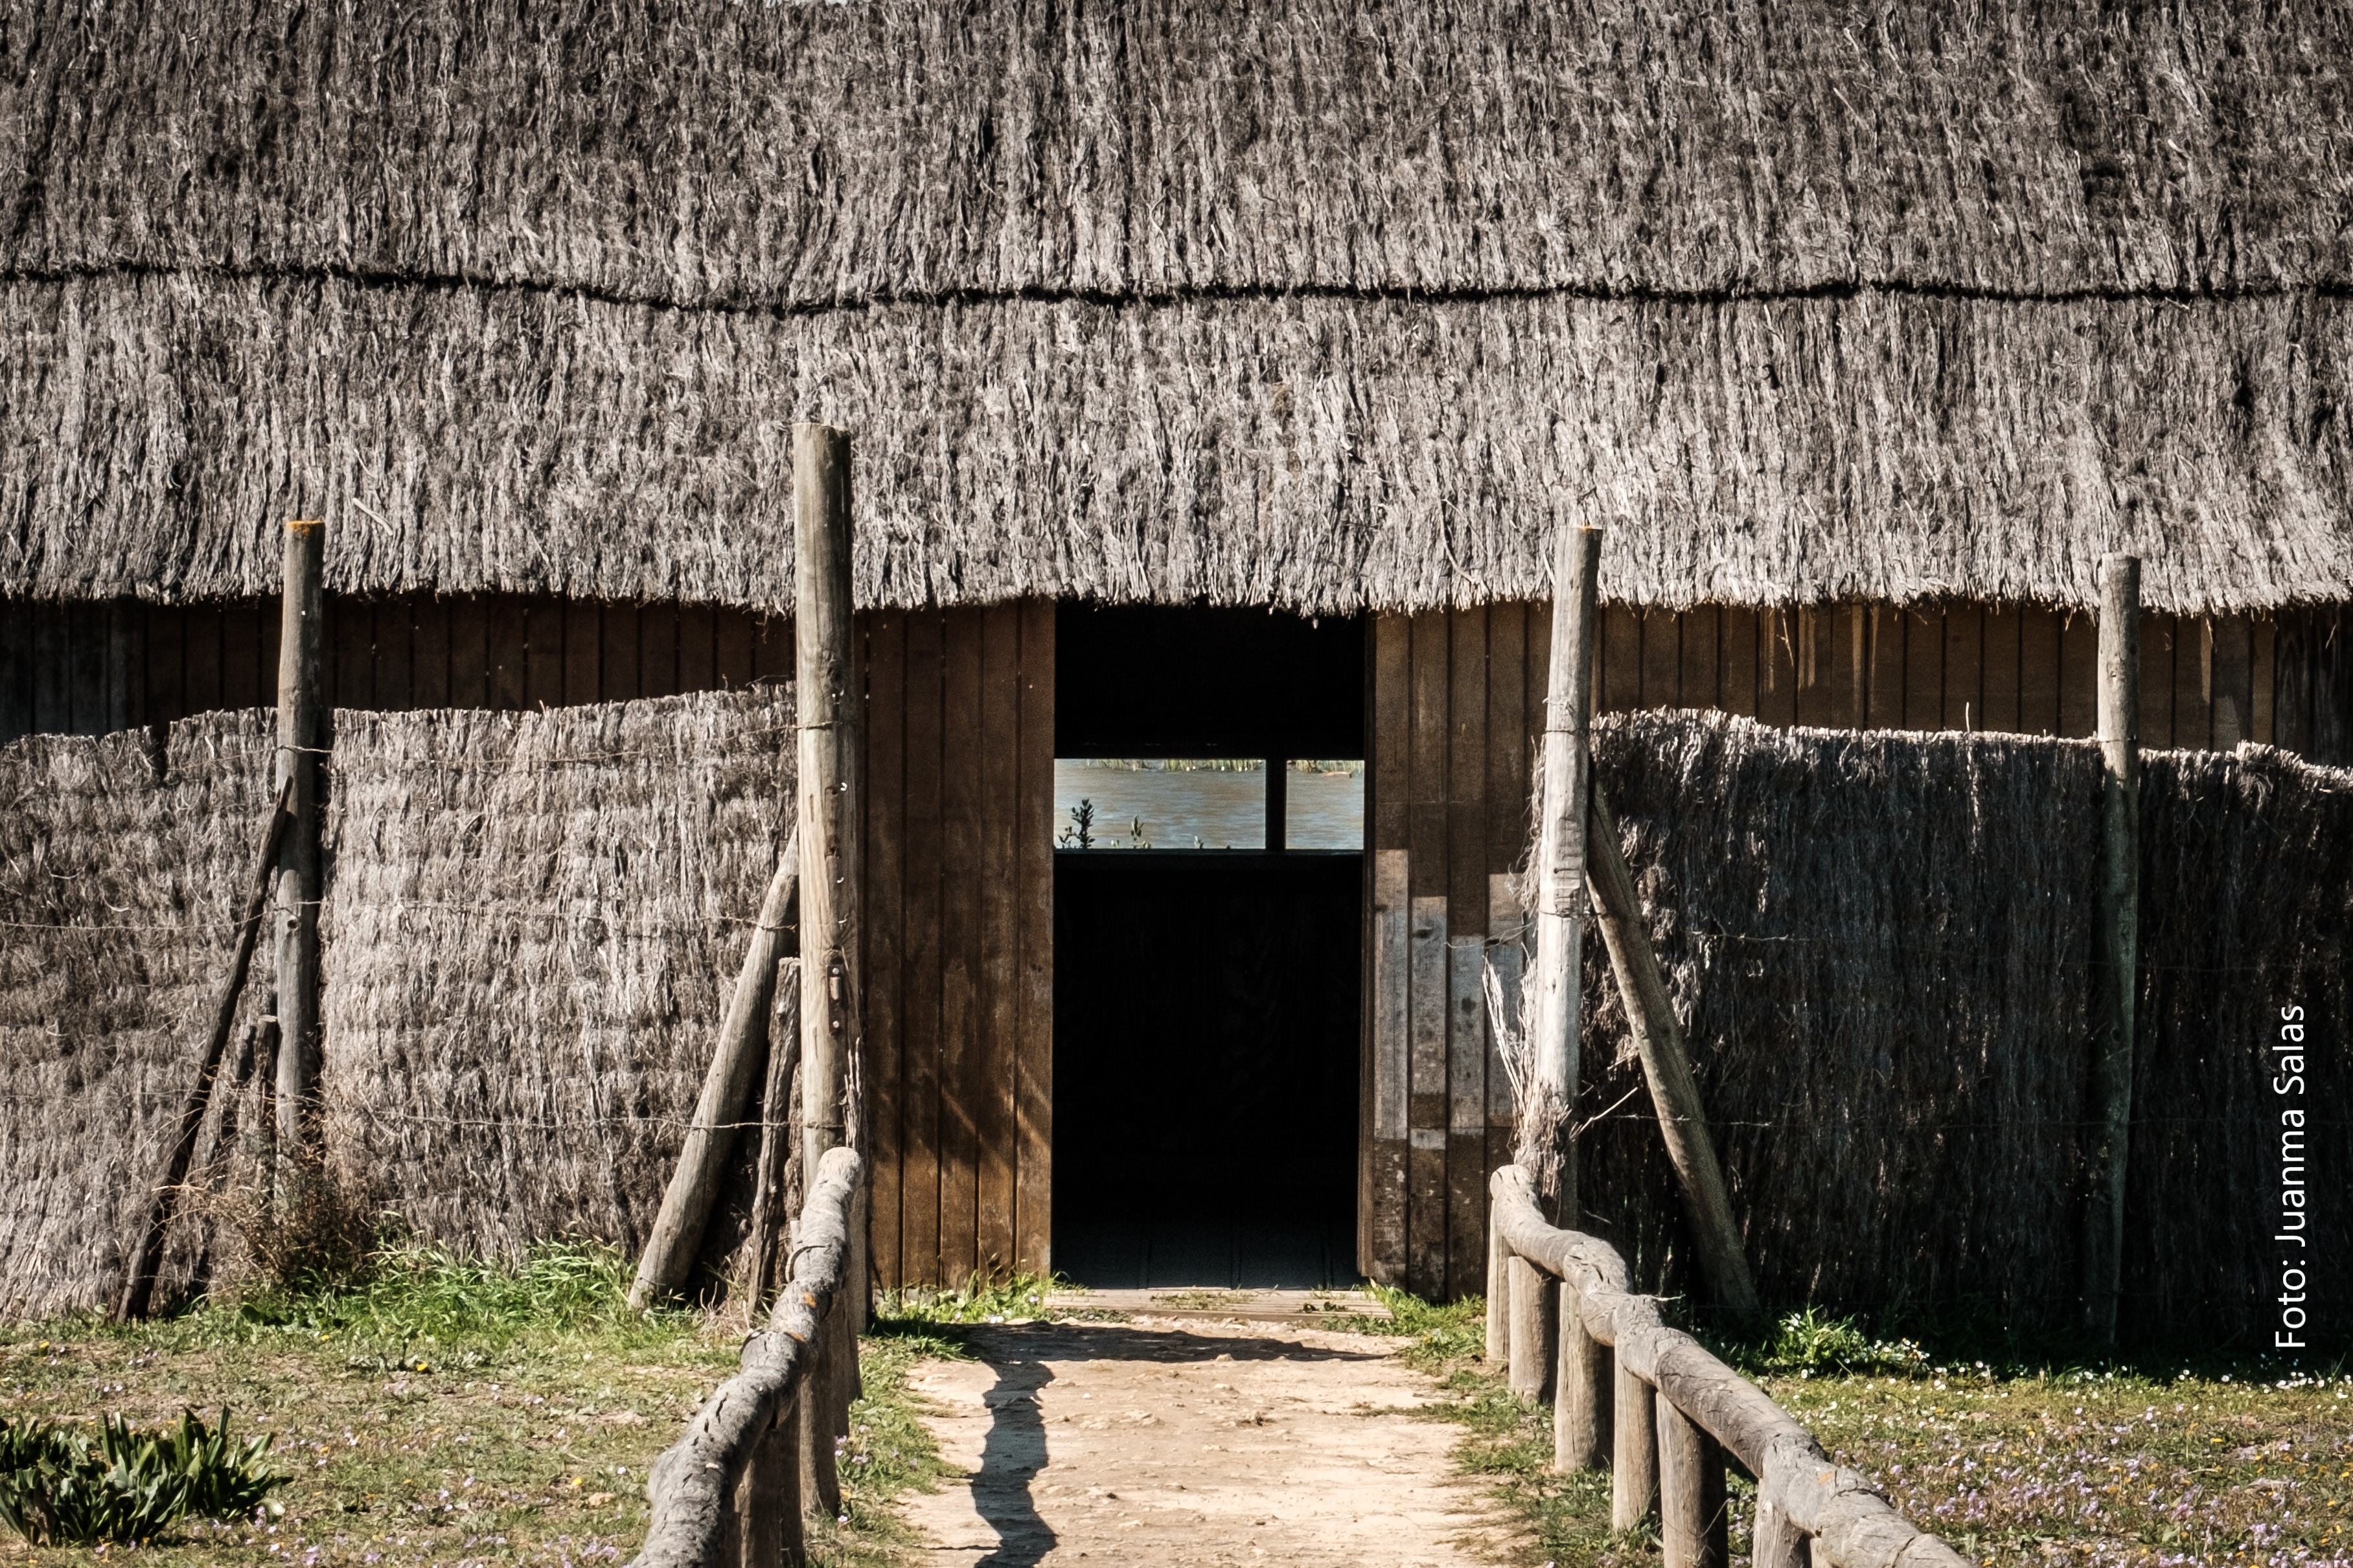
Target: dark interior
[{"x": 1206, "y": 1001}]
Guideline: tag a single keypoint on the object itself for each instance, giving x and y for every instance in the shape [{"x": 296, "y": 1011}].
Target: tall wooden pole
[
  {"x": 828, "y": 702},
  {"x": 301, "y": 733},
  {"x": 1561, "y": 905},
  {"x": 2112, "y": 1052}
]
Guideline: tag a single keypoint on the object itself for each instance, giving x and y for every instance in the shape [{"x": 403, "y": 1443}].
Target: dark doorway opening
[{"x": 1206, "y": 1001}]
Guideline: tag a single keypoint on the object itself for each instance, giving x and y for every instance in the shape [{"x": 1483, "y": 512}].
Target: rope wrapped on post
[
  {"x": 699, "y": 1500},
  {"x": 1800, "y": 1492}
]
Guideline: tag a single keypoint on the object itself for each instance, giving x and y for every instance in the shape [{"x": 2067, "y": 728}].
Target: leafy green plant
[
  {"x": 1811, "y": 1342},
  {"x": 59, "y": 1486}
]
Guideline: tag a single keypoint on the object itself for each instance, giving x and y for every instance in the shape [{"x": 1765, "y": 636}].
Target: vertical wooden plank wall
[{"x": 958, "y": 961}]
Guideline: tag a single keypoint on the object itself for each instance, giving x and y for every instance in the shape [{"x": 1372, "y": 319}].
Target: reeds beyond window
[{"x": 1219, "y": 803}]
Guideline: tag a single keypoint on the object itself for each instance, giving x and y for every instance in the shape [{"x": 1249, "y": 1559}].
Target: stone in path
[{"x": 1191, "y": 1443}]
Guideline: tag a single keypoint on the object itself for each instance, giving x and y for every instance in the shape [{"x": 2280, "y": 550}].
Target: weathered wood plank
[
  {"x": 166, "y": 675},
  {"x": 507, "y": 641},
  {"x": 1777, "y": 660},
  {"x": 583, "y": 652},
  {"x": 1534, "y": 1311},
  {"x": 1662, "y": 660},
  {"x": 2262, "y": 680},
  {"x": 2193, "y": 683},
  {"x": 394, "y": 653},
  {"x": 2292, "y": 683},
  {"x": 1885, "y": 630},
  {"x": 2003, "y": 627},
  {"x": 265, "y": 690},
  {"x": 428, "y": 651},
  {"x": 697, "y": 657},
  {"x": 352, "y": 678},
  {"x": 616, "y": 657},
  {"x": 1813, "y": 645},
  {"x": 880, "y": 972},
  {"x": 772, "y": 648},
  {"x": 962, "y": 1084},
  {"x": 1694, "y": 1516},
  {"x": 1033, "y": 1058},
  {"x": 1426, "y": 1237},
  {"x": 542, "y": 658},
  {"x": 2038, "y": 671},
  {"x": 2079, "y": 676},
  {"x": 1699, "y": 683},
  {"x": 731, "y": 638},
  {"x": 920, "y": 993},
  {"x": 1382, "y": 1239},
  {"x": 1582, "y": 1396},
  {"x": 1963, "y": 707},
  {"x": 246, "y": 681},
  {"x": 1924, "y": 668},
  {"x": 1389, "y": 733},
  {"x": 2234, "y": 680},
  {"x": 658, "y": 650},
  {"x": 201, "y": 648},
  {"x": 1634, "y": 1448},
  {"x": 1000, "y": 765},
  {"x": 470, "y": 653},
  {"x": 1618, "y": 659},
  {"x": 1736, "y": 658}
]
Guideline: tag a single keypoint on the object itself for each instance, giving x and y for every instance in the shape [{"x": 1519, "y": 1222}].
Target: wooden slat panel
[
  {"x": 200, "y": 653},
  {"x": 1535, "y": 674},
  {"x": 1381, "y": 1249},
  {"x": 772, "y": 649},
  {"x": 2038, "y": 671},
  {"x": 16, "y": 670},
  {"x": 919, "y": 995},
  {"x": 1777, "y": 659},
  {"x": 879, "y": 970},
  {"x": 166, "y": 688},
  {"x": 126, "y": 664},
  {"x": 543, "y": 645},
  {"x": 351, "y": 627},
  {"x": 2234, "y": 675},
  {"x": 86, "y": 666},
  {"x": 2262, "y": 678},
  {"x": 1429, "y": 750},
  {"x": 270, "y": 618},
  {"x": 395, "y": 667},
  {"x": 2193, "y": 669},
  {"x": 1466, "y": 919},
  {"x": 1815, "y": 646},
  {"x": 2003, "y": 627},
  {"x": 697, "y": 652},
  {"x": 731, "y": 637},
  {"x": 617, "y": 646},
  {"x": 658, "y": 650},
  {"x": 583, "y": 653},
  {"x": 509, "y": 644},
  {"x": 1924, "y": 668},
  {"x": 998, "y": 764},
  {"x": 53, "y": 673},
  {"x": 2292, "y": 683},
  {"x": 2079, "y": 675},
  {"x": 1507, "y": 729},
  {"x": 1964, "y": 703},
  {"x": 1700, "y": 681},
  {"x": 1033, "y": 1069},
  {"x": 962, "y": 1086},
  {"x": 246, "y": 681},
  {"x": 1426, "y": 1024},
  {"x": 2156, "y": 639},
  {"x": 1662, "y": 660},
  {"x": 470, "y": 653},
  {"x": 1620, "y": 646},
  {"x": 1883, "y": 671},
  {"x": 1390, "y": 765},
  {"x": 1737, "y": 657},
  {"x": 429, "y": 652},
  {"x": 1466, "y": 773}
]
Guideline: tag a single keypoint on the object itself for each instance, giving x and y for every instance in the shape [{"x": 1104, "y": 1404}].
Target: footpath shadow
[{"x": 1014, "y": 1452}]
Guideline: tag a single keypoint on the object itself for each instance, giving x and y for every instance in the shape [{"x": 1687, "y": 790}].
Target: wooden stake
[
  {"x": 776, "y": 1137},
  {"x": 1776, "y": 1542},
  {"x": 1633, "y": 1451},
  {"x": 1694, "y": 1520},
  {"x": 726, "y": 1085},
  {"x": 301, "y": 735},
  {"x": 1499, "y": 1295},
  {"x": 1581, "y": 1395},
  {"x": 147, "y": 1254},
  {"x": 1534, "y": 1292},
  {"x": 1659, "y": 1038},
  {"x": 1561, "y": 850},
  {"x": 767, "y": 1501},
  {"x": 2112, "y": 1052}
]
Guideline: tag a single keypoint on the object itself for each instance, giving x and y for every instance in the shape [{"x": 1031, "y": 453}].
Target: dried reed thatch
[
  {"x": 532, "y": 923},
  {"x": 120, "y": 871},
  {"x": 1313, "y": 303},
  {"x": 1882, "y": 943}
]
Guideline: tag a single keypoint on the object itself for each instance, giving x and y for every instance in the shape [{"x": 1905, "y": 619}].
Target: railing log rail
[
  {"x": 1676, "y": 1411},
  {"x": 727, "y": 1494}
]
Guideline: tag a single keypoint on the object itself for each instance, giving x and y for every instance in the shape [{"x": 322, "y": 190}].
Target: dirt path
[{"x": 1187, "y": 1443}]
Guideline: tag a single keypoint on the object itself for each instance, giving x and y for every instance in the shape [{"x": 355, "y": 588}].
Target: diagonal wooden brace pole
[{"x": 1659, "y": 1038}]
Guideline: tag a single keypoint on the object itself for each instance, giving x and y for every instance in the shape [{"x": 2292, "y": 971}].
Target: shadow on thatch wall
[
  {"x": 532, "y": 923},
  {"x": 1882, "y": 945}
]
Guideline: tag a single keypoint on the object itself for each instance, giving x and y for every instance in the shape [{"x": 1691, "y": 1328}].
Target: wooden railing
[
  {"x": 1650, "y": 1405},
  {"x": 728, "y": 1494}
]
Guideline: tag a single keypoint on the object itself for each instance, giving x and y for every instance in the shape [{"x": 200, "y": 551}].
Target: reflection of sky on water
[{"x": 1223, "y": 810}]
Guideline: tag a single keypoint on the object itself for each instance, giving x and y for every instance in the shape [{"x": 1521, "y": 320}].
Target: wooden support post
[
  {"x": 828, "y": 705},
  {"x": 147, "y": 1252},
  {"x": 821, "y": 1424},
  {"x": 301, "y": 735},
  {"x": 1278, "y": 803},
  {"x": 775, "y": 1139},
  {"x": 2112, "y": 1051},
  {"x": 1694, "y": 1519},
  {"x": 1546, "y": 1121},
  {"x": 767, "y": 1501},
  {"x": 1775, "y": 1539},
  {"x": 1499, "y": 1294},
  {"x": 726, "y": 1085},
  {"x": 1581, "y": 1395},
  {"x": 1532, "y": 1314},
  {"x": 1633, "y": 1452},
  {"x": 1666, "y": 1067}
]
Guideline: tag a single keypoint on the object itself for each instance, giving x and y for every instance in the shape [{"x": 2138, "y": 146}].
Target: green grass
[
  {"x": 2025, "y": 1459},
  {"x": 441, "y": 1410}
]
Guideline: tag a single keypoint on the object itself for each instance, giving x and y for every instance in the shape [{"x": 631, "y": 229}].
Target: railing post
[
  {"x": 1633, "y": 1452},
  {"x": 1499, "y": 1293},
  {"x": 1775, "y": 1540},
  {"x": 822, "y": 1411},
  {"x": 768, "y": 1498},
  {"x": 1581, "y": 1396},
  {"x": 1694, "y": 1529},
  {"x": 1532, "y": 1329},
  {"x": 2119, "y": 939}
]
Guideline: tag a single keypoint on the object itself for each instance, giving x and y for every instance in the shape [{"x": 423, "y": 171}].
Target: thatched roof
[{"x": 1310, "y": 303}]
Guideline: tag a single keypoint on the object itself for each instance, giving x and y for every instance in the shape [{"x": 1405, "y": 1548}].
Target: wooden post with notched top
[{"x": 2112, "y": 1013}]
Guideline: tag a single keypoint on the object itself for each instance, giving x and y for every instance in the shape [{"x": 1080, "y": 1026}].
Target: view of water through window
[{"x": 1172, "y": 802}]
